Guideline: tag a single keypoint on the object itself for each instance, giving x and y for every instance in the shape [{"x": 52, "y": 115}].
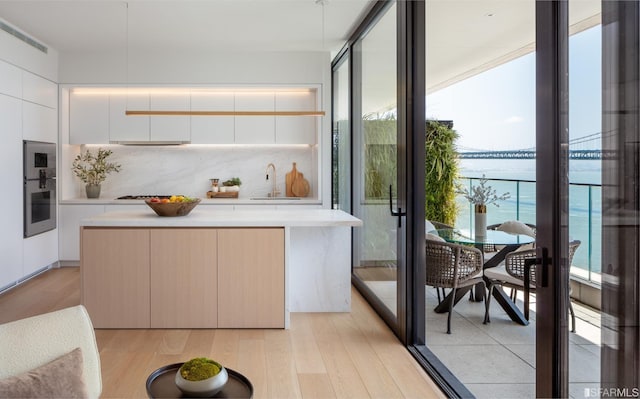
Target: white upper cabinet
[
  {"x": 39, "y": 123},
  {"x": 10, "y": 80},
  {"x": 255, "y": 129},
  {"x": 39, "y": 90},
  {"x": 88, "y": 118},
  {"x": 212, "y": 129},
  {"x": 170, "y": 128},
  {"x": 128, "y": 128},
  {"x": 99, "y": 117},
  {"x": 296, "y": 129}
]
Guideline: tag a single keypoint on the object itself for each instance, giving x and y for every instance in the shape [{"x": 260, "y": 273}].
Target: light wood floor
[{"x": 323, "y": 355}]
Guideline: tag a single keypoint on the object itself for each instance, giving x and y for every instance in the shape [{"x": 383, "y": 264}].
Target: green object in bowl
[{"x": 196, "y": 369}]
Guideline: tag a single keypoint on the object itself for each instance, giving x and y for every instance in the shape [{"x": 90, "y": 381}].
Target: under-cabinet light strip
[
  {"x": 224, "y": 113},
  {"x": 132, "y": 90}
]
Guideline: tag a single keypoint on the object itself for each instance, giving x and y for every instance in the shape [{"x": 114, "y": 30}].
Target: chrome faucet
[{"x": 274, "y": 188}]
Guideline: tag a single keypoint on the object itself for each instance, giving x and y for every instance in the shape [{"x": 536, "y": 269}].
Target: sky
[{"x": 495, "y": 110}]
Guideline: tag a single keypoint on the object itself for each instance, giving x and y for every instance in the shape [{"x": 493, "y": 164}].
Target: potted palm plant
[{"x": 93, "y": 169}]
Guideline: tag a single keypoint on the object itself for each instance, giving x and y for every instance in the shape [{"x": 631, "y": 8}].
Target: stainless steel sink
[{"x": 274, "y": 198}]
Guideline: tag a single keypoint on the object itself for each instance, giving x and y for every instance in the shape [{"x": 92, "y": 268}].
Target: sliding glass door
[
  {"x": 376, "y": 259},
  {"x": 481, "y": 84},
  {"x": 588, "y": 341},
  {"x": 620, "y": 356},
  {"x": 510, "y": 77}
]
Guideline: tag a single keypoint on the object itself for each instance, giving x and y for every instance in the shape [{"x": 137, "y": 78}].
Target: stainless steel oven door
[
  {"x": 39, "y": 160},
  {"x": 39, "y": 206}
]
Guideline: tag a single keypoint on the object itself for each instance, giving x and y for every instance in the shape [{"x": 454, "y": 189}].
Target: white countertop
[
  {"x": 204, "y": 201},
  {"x": 201, "y": 217}
]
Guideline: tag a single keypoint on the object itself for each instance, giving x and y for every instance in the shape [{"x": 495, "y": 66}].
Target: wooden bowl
[{"x": 172, "y": 208}]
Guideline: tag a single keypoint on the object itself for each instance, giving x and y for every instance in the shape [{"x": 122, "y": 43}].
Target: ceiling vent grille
[{"x": 10, "y": 30}]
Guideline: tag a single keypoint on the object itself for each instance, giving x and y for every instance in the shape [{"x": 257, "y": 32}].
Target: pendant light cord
[
  {"x": 322, "y": 4},
  {"x": 126, "y": 56},
  {"x": 323, "y": 44}
]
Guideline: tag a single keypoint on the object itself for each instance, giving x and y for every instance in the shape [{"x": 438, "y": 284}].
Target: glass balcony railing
[{"x": 585, "y": 217}]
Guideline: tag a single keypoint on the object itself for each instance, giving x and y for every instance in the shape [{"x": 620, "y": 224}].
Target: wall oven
[{"x": 39, "y": 187}]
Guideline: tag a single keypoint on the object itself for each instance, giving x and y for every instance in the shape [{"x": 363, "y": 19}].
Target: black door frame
[
  {"x": 552, "y": 198},
  {"x": 411, "y": 172}
]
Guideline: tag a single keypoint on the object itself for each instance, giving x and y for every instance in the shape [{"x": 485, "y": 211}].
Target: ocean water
[{"x": 585, "y": 204}]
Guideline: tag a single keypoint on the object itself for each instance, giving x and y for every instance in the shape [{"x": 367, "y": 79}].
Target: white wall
[{"x": 151, "y": 67}]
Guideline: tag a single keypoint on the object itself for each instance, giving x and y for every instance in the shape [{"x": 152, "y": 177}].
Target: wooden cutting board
[
  {"x": 295, "y": 183},
  {"x": 289, "y": 179},
  {"x": 300, "y": 187}
]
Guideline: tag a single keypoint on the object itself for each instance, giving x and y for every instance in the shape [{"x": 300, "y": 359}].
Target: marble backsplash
[{"x": 187, "y": 169}]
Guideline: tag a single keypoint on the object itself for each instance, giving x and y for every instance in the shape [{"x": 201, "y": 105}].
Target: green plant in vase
[{"x": 93, "y": 169}]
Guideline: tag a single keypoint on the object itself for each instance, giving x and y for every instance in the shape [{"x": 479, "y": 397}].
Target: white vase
[{"x": 480, "y": 220}]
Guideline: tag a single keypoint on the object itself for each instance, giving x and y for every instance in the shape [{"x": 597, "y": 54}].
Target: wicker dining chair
[
  {"x": 512, "y": 274},
  {"x": 429, "y": 226},
  {"x": 454, "y": 266},
  {"x": 512, "y": 226}
]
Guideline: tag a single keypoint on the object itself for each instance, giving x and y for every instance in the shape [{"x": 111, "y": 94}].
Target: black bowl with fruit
[{"x": 176, "y": 205}]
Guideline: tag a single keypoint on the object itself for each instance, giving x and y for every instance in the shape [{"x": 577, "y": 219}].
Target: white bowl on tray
[{"x": 203, "y": 388}]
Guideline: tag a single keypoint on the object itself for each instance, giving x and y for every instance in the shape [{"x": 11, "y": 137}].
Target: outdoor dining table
[{"x": 489, "y": 238}]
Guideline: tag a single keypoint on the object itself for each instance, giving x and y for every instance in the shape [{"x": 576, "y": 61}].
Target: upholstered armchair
[{"x": 40, "y": 356}]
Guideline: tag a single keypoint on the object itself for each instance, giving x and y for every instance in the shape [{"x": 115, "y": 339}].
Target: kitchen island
[{"x": 215, "y": 269}]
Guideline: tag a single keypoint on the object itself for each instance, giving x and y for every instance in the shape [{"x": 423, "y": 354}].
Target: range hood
[{"x": 156, "y": 142}]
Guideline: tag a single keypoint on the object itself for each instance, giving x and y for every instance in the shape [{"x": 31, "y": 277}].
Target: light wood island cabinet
[
  {"x": 251, "y": 278},
  {"x": 115, "y": 277},
  {"x": 183, "y": 277}
]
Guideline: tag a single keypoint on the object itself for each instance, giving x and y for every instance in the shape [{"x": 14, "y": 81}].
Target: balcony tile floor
[{"x": 497, "y": 360}]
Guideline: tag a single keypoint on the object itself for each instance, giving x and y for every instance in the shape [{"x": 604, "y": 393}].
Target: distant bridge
[
  {"x": 577, "y": 150},
  {"x": 530, "y": 154}
]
